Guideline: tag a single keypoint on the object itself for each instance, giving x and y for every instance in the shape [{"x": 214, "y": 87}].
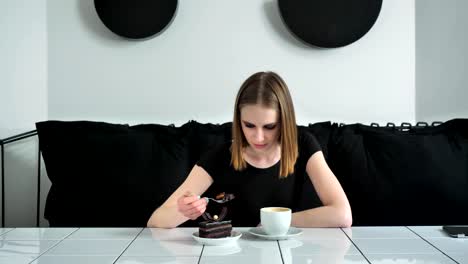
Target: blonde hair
[{"x": 269, "y": 90}]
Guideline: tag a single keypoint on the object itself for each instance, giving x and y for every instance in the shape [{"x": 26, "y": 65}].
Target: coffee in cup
[{"x": 275, "y": 220}]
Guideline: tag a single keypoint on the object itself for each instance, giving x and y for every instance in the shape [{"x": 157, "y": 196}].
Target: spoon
[
  {"x": 215, "y": 200},
  {"x": 226, "y": 198}
]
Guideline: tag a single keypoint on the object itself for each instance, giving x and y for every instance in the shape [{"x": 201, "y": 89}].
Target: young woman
[{"x": 262, "y": 166}]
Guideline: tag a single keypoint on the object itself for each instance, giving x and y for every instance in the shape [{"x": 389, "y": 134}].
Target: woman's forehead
[{"x": 258, "y": 114}]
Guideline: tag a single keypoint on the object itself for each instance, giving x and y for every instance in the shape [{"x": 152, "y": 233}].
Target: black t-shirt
[{"x": 253, "y": 187}]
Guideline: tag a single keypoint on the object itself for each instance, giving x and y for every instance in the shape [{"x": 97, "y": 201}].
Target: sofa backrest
[
  {"x": 116, "y": 175},
  {"x": 394, "y": 177}
]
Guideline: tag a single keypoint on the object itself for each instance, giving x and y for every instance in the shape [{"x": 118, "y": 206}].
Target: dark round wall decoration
[
  {"x": 136, "y": 19},
  {"x": 329, "y": 23}
]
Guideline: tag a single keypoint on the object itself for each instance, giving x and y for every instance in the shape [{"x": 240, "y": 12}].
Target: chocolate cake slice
[
  {"x": 215, "y": 229},
  {"x": 215, "y": 226}
]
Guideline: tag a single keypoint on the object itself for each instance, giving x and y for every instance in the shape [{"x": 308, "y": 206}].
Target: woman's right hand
[{"x": 191, "y": 206}]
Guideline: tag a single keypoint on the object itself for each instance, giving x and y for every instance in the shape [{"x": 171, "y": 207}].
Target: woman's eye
[
  {"x": 249, "y": 125},
  {"x": 270, "y": 127}
]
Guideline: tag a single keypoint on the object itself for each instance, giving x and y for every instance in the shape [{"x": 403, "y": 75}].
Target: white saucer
[
  {"x": 218, "y": 241},
  {"x": 259, "y": 232}
]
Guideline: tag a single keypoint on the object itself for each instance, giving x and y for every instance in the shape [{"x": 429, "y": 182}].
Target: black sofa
[{"x": 115, "y": 175}]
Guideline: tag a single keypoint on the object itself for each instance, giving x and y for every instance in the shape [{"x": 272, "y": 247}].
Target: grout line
[
  {"x": 54, "y": 245},
  {"x": 6, "y": 232},
  {"x": 431, "y": 244},
  {"x": 362, "y": 254},
  {"x": 128, "y": 245},
  {"x": 201, "y": 254},
  {"x": 281, "y": 252}
]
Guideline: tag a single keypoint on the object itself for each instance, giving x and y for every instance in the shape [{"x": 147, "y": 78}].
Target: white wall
[
  {"x": 58, "y": 61},
  {"x": 23, "y": 65},
  {"x": 194, "y": 68},
  {"x": 23, "y": 101},
  {"x": 441, "y": 60}
]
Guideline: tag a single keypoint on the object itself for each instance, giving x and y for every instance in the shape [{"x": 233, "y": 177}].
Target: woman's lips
[{"x": 259, "y": 146}]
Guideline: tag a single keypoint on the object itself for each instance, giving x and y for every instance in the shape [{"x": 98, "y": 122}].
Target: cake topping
[
  {"x": 216, "y": 218},
  {"x": 225, "y": 196}
]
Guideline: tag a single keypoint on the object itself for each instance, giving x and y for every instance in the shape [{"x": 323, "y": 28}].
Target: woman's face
[{"x": 260, "y": 126}]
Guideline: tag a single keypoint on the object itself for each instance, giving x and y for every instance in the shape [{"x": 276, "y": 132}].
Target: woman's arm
[
  {"x": 336, "y": 211},
  {"x": 185, "y": 202}
]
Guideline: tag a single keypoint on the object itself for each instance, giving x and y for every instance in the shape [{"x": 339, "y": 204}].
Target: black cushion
[
  {"x": 109, "y": 175},
  {"x": 89, "y": 164},
  {"x": 170, "y": 164},
  {"x": 392, "y": 177},
  {"x": 203, "y": 137}
]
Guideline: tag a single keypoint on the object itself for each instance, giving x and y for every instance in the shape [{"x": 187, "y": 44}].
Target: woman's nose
[{"x": 259, "y": 135}]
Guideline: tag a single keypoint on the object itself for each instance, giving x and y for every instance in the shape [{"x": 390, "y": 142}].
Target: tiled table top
[{"x": 412, "y": 245}]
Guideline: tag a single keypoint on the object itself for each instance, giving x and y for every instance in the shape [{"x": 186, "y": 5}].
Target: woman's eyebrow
[
  {"x": 270, "y": 124},
  {"x": 265, "y": 125}
]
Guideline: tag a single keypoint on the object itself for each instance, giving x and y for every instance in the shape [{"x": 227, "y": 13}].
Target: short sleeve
[
  {"x": 307, "y": 195},
  {"x": 216, "y": 160},
  {"x": 308, "y": 144}
]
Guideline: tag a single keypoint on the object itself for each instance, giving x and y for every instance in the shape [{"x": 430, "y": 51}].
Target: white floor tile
[
  {"x": 38, "y": 233},
  {"x": 321, "y": 233},
  {"x": 450, "y": 244},
  {"x": 75, "y": 260},
  {"x": 394, "y": 246},
  {"x": 89, "y": 247},
  {"x": 244, "y": 248},
  {"x": 325, "y": 259},
  {"x": 167, "y": 234},
  {"x": 318, "y": 247},
  {"x": 18, "y": 259},
  {"x": 307, "y": 233},
  {"x": 159, "y": 260},
  {"x": 429, "y": 231},
  {"x": 257, "y": 259},
  {"x": 409, "y": 259},
  {"x": 105, "y": 233},
  {"x": 460, "y": 257},
  {"x": 4, "y": 230},
  {"x": 25, "y": 247},
  {"x": 167, "y": 248},
  {"x": 384, "y": 232}
]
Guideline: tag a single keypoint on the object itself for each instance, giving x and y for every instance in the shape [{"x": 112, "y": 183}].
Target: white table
[{"x": 316, "y": 245}]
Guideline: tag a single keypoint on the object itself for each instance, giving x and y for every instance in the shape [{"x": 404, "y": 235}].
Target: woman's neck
[{"x": 262, "y": 159}]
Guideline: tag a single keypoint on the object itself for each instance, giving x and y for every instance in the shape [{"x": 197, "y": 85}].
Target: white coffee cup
[{"x": 275, "y": 220}]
